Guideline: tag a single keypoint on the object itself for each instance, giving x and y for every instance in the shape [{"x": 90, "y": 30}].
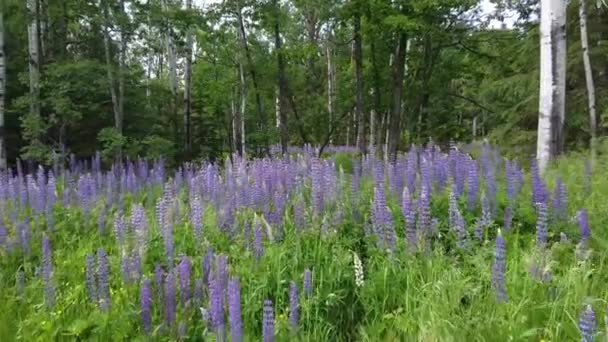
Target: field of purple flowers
[{"x": 436, "y": 246}]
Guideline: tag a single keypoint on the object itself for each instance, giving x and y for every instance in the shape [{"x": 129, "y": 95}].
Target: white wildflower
[{"x": 358, "y": 266}]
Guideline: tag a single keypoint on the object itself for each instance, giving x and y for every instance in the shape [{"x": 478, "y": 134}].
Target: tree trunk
[
  {"x": 552, "y": 81},
  {"x": 358, "y": 55},
  {"x": 245, "y": 46},
  {"x": 331, "y": 75},
  {"x": 172, "y": 65},
  {"x": 188, "y": 88},
  {"x": 373, "y": 117},
  {"x": 122, "y": 66},
  {"x": 284, "y": 134},
  {"x": 107, "y": 44},
  {"x": 394, "y": 132},
  {"x": 43, "y": 24},
  {"x": 33, "y": 32},
  {"x": 2, "y": 91},
  {"x": 582, "y": 11}
]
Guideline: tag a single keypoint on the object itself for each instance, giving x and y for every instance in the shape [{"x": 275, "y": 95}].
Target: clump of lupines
[
  {"x": 473, "y": 184},
  {"x": 541, "y": 224},
  {"x": 499, "y": 268},
  {"x": 103, "y": 279},
  {"x": 146, "y": 305},
  {"x": 91, "y": 282},
  {"x": 47, "y": 272},
  {"x": 586, "y": 324},
  {"x": 457, "y": 222},
  {"x": 184, "y": 269},
  {"x": 139, "y": 224},
  {"x": 409, "y": 214},
  {"x": 383, "y": 223},
  {"x": 196, "y": 217},
  {"x": 170, "y": 305},
  {"x": 268, "y": 321},
  {"x": 234, "y": 310},
  {"x": 216, "y": 306},
  {"x": 583, "y": 223}
]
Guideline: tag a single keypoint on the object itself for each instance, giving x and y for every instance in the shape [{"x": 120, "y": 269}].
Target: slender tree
[
  {"x": 107, "y": 43},
  {"x": 394, "y": 131},
  {"x": 358, "y": 57},
  {"x": 188, "y": 87},
  {"x": 582, "y": 12},
  {"x": 33, "y": 33},
  {"x": 281, "y": 81},
  {"x": 552, "y": 81}
]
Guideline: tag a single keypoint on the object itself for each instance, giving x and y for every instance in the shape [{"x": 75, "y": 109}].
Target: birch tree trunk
[
  {"x": 394, "y": 132},
  {"x": 282, "y": 83},
  {"x": 552, "y": 81},
  {"x": 243, "y": 108},
  {"x": 188, "y": 88},
  {"x": 582, "y": 12},
  {"x": 33, "y": 32},
  {"x": 2, "y": 91},
  {"x": 107, "y": 44},
  {"x": 358, "y": 56}
]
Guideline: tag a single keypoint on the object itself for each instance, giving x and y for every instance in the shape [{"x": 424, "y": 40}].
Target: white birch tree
[{"x": 552, "y": 81}]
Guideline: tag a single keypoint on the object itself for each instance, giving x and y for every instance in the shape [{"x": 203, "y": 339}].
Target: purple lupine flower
[
  {"x": 90, "y": 278},
  {"x": 268, "y": 322},
  {"x": 541, "y": 225},
  {"x": 383, "y": 222},
  {"x": 456, "y": 220},
  {"x": 586, "y": 324},
  {"x": 170, "y": 305},
  {"x": 234, "y": 310},
  {"x": 184, "y": 269},
  {"x": 317, "y": 190},
  {"x": 486, "y": 216},
  {"x": 294, "y": 305},
  {"x": 583, "y": 223},
  {"x": 146, "y": 305},
  {"x": 540, "y": 194},
  {"x": 198, "y": 290},
  {"x": 139, "y": 224},
  {"x": 120, "y": 227},
  {"x": 409, "y": 215},
  {"x": 424, "y": 211},
  {"x": 258, "y": 247},
  {"x": 159, "y": 274},
  {"x": 125, "y": 268},
  {"x": 507, "y": 219},
  {"x": 135, "y": 268},
  {"x": 560, "y": 200},
  {"x": 499, "y": 268},
  {"x": 196, "y": 217},
  {"x": 47, "y": 272},
  {"x": 473, "y": 184},
  {"x": 307, "y": 282},
  {"x": 216, "y": 306},
  {"x": 222, "y": 271},
  {"x": 103, "y": 278},
  {"x": 206, "y": 264}
]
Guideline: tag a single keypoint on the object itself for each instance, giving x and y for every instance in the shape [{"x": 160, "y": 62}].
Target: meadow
[{"x": 453, "y": 245}]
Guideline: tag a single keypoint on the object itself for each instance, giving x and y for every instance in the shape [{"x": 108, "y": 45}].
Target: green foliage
[{"x": 112, "y": 142}]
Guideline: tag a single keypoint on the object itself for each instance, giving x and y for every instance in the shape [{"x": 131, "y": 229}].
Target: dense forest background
[{"x": 151, "y": 78}]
